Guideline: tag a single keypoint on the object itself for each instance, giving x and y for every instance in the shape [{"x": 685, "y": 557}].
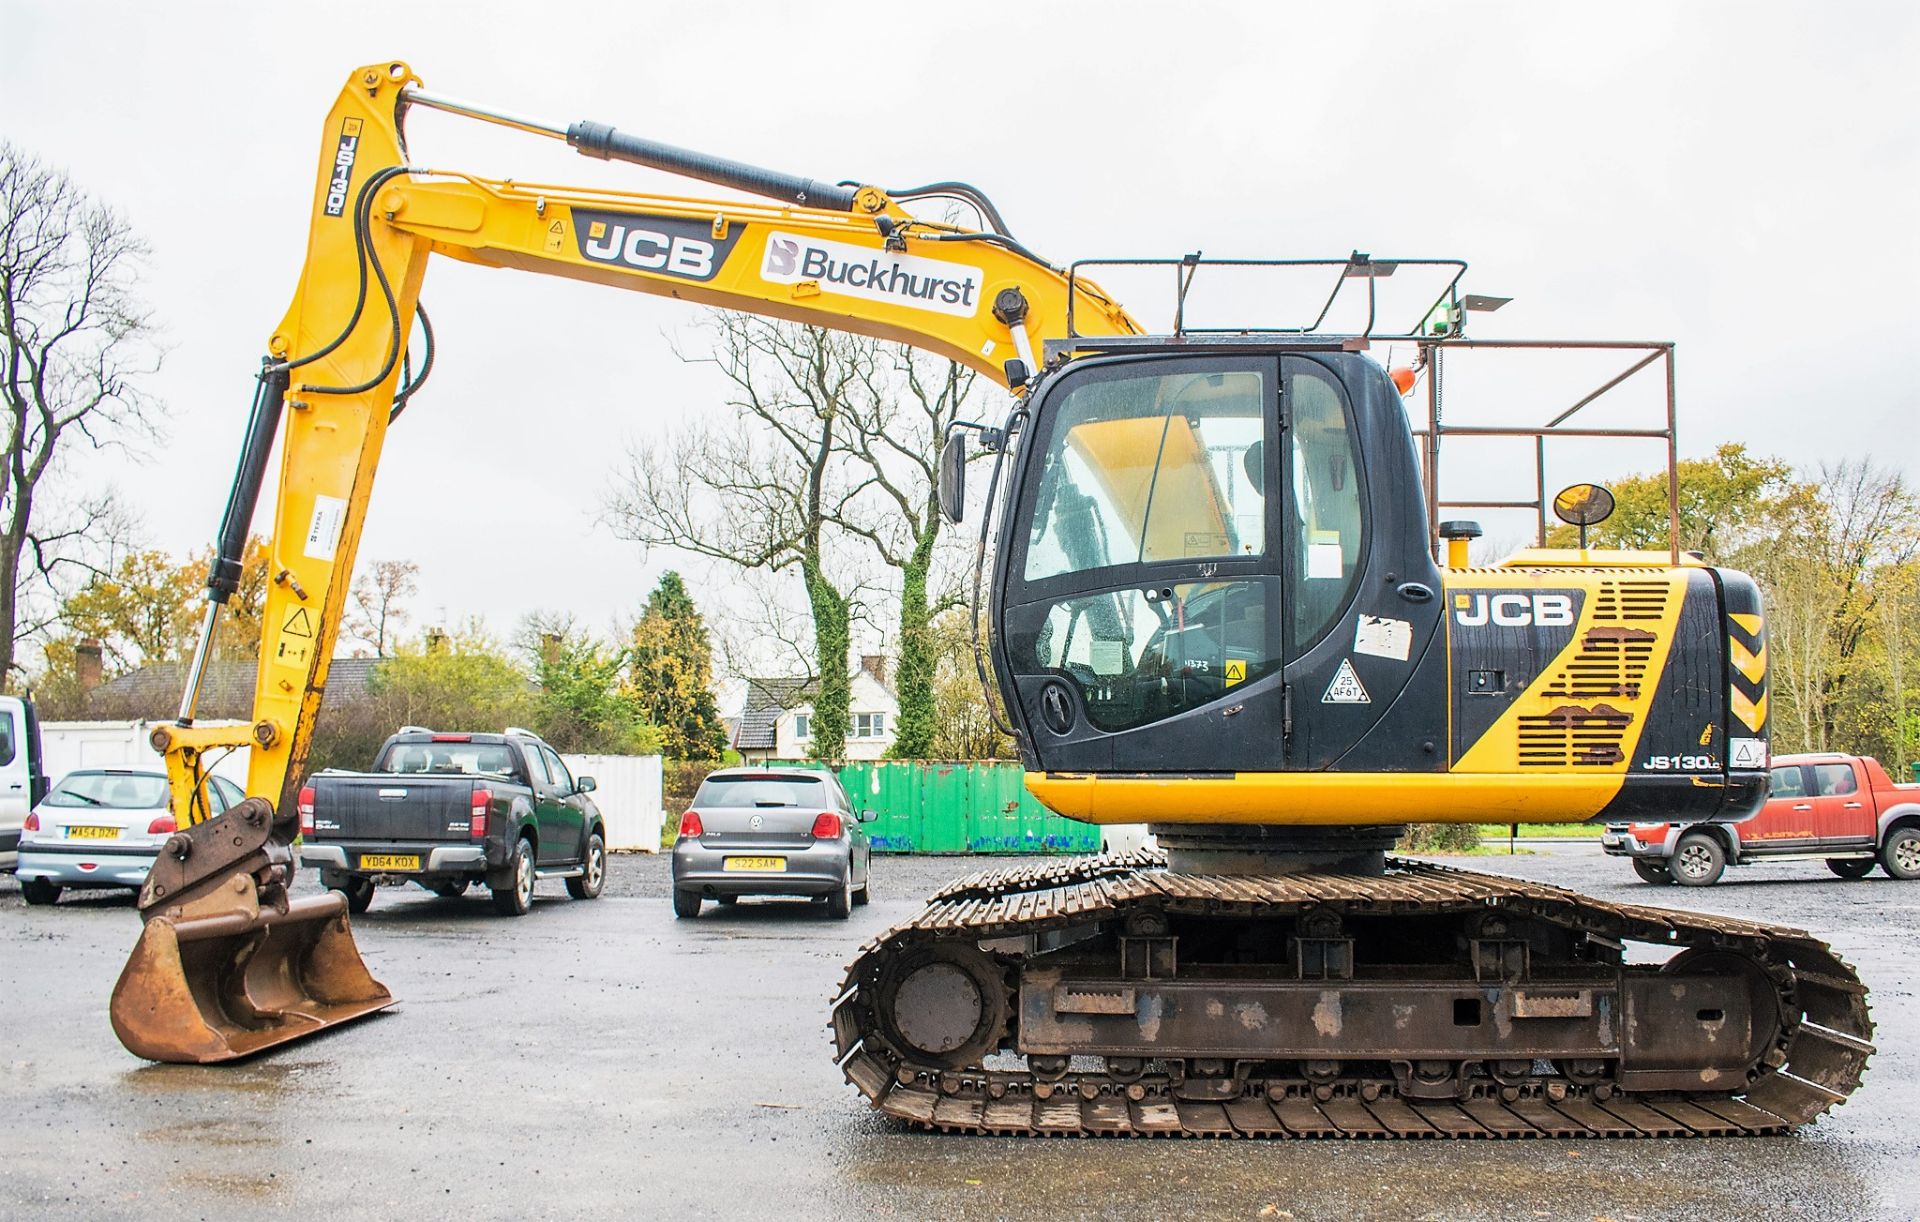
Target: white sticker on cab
[{"x": 1380, "y": 637}]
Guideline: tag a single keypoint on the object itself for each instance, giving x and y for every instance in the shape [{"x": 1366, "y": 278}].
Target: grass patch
[{"x": 1545, "y": 831}]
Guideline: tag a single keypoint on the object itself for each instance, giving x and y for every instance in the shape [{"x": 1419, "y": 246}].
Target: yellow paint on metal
[
  {"x": 1498, "y": 750},
  {"x": 1326, "y": 798},
  {"x": 1749, "y": 623},
  {"x": 1753, "y": 713},
  {"x": 1752, "y": 665}
]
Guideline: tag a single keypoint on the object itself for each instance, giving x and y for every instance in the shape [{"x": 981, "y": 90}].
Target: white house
[{"x": 775, "y": 719}]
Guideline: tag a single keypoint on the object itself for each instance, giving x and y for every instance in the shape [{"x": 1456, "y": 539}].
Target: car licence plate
[
  {"x": 389, "y": 861},
  {"x": 764, "y": 865},
  {"x": 93, "y": 833}
]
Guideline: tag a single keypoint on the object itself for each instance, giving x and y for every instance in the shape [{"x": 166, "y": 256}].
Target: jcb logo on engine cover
[
  {"x": 670, "y": 245},
  {"x": 1513, "y": 610}
]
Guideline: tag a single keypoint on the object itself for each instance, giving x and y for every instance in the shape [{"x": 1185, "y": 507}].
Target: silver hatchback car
[
  {"x": 101, "y": 827},
  {"x": 771, "y": 831}
]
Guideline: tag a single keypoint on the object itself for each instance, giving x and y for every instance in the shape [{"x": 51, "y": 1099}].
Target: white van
[{"x": 23, "y": 777}]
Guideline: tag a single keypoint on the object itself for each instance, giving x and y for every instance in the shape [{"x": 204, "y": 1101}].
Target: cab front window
[{"x": 1151, "y": 469}]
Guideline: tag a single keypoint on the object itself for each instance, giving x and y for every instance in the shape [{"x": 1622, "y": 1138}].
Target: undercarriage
[{"x": 1259, "y": 983}]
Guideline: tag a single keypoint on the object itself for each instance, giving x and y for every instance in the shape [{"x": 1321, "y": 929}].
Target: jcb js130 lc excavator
[{"x": 1215, "y": 608}]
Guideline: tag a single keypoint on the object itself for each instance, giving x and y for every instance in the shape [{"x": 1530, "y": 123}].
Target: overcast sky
[{"x": 1741, "y": 178}]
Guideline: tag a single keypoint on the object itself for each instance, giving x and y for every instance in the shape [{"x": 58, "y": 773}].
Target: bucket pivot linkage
[{"x": 227, "y": 965}]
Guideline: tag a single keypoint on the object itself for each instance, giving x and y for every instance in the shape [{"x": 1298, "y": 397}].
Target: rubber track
[{"x": 1815, "y": 1062}]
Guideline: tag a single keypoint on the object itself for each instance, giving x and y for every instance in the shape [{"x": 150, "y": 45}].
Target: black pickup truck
[{"x": 450, "y": 810}]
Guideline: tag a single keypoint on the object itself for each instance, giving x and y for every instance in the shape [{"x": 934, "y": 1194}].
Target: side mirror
[
  {"x": 583, "y": 784},
  {"x": 868, "y": 815},
  {"x": 953, "y": 477}
]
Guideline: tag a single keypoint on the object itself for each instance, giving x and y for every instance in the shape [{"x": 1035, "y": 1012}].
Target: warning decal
[
  {"x": 1346, "y": 687},
  {"x": 299, "y": 623},
  {"x": 1236, "y": 671}
]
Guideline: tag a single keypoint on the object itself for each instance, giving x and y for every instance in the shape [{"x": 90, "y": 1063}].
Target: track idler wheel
[{"x": 944, "y": 1006}]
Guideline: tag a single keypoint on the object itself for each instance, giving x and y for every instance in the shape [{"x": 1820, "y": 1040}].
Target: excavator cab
[{"x": 1185, "y": 537}]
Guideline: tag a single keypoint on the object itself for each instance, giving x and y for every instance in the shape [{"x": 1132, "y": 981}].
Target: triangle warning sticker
[{"x": 1346, "y": 688}]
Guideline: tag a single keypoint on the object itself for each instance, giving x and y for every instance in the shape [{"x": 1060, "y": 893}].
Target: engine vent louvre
[{"x": 1611, "y": 663}]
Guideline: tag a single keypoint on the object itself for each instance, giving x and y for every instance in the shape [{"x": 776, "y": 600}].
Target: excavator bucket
[{"x": 228, "y": 966}]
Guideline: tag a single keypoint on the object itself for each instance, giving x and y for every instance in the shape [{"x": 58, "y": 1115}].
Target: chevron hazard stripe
[{"x": 1747, "y": 671}]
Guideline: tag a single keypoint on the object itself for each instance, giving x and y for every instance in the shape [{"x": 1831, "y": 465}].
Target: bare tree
[
  {"x": 771, "y": 488},
  {"x": 379, "y": 608},
  {"x": 75, "y": 341}
]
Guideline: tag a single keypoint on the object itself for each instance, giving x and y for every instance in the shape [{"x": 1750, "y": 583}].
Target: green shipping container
[{"x": 959, "y": 808}]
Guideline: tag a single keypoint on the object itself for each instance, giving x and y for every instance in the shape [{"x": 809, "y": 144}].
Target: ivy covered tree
[{"x": 670, "y": 673}]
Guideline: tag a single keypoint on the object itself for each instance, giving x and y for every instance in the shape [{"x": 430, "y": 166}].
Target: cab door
[
  {"x": 1787, "y": 820},
  {"x": 570, "y": 831},
  {"x": 1841, "y": 810},
  {"x": 1141, "y": 611},
  {"x": 548, "y": 807}
]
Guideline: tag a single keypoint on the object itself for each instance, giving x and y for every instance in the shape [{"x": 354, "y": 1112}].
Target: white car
[{"x": 100, "y": 827}]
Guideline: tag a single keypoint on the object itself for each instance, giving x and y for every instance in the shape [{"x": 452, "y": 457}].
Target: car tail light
[
  {"x": 165, "y": 826},
  {"x": 477, "y": 820},
  {"x": 690, "y": 824},
  {"x": 826, "y": 826},
  {"x": 32, "y": 824},
  {"x": 306, "y": 810}
]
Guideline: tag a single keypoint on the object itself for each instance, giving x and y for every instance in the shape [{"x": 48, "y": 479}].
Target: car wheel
[
  {"x": 1654, "y": 872},
  {"x": 686, "y": 904},
  {"x": 38, "y": 891},
  {"x": 1851, "y": 867},
  {"x": 453, "y": 890},
  {"x": 1900, "y": 855},
  {"x": 1697, "y": 861},
  {"x": 516, "y": 898},
  {"x": 840, "y": 903},
  {"x": 359, "y": 893},
  {"x": 587, "y": 886}
]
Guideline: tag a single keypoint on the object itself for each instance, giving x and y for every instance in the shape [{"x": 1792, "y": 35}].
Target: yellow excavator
[{"x": 1215, "y": 607}]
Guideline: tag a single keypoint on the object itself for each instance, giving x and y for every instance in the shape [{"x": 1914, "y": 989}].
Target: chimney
[
  {"x": 550, "y": 648},
  {"x": 87, "y": 664},
  {"x": 875, "y": 664}
]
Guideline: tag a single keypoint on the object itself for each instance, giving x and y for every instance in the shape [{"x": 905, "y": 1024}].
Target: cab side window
[
  {"x": 6, "y": 738},
  {"x": 1788, "y": 782},
  {"x": 1324, "y": 534},
  {"x": 1834, "y": 780},
  {"x": 558, "y": 768},
  {"x": 537, "y": 773}
]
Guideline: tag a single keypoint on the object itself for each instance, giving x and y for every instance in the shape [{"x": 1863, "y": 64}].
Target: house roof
[
  {"x": 766, "y": 700},
  {"x": 226, "y": 690}
]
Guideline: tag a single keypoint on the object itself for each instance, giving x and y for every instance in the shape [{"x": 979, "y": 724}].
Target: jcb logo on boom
[
  {"x": 1513, "y": 610},
  {"x": 670, "y": 245}
]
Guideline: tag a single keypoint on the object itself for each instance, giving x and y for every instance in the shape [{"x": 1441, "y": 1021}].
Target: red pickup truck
[{"x": 1841, "y": 809}]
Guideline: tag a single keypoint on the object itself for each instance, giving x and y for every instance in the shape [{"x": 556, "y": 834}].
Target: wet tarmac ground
[{"x": 603, "y": 1058}]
